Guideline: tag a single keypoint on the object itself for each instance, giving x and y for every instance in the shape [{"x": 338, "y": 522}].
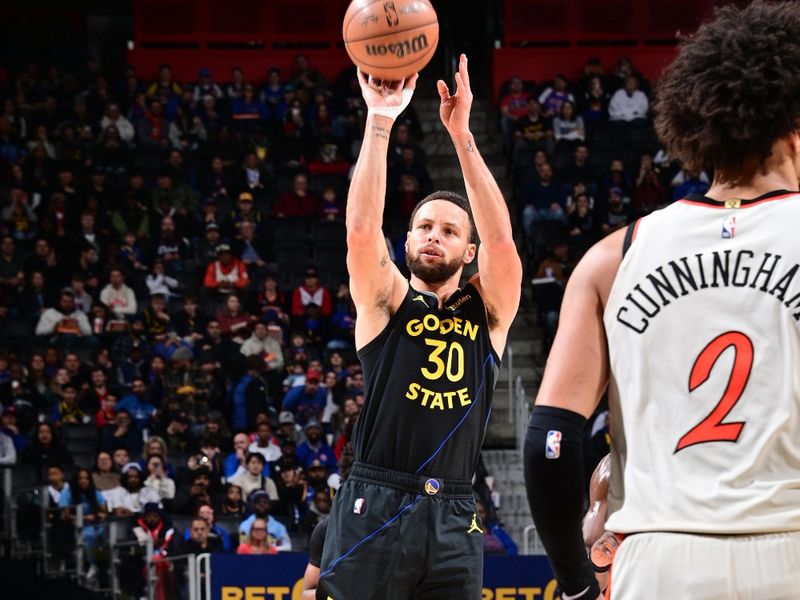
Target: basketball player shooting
[
  {"x": 690, "y": 317},
  {"x": 405, "y": 524}
]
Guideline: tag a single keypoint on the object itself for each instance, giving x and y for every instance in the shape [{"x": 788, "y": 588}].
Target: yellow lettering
[
  {"x": 437, "y": 401},
  {"x": 463, "y": 397},
  {"x": 446, "y": 326},
  {"x": 550, "y": 590},
  {"x": 254, "y": 593},
  {"x": 425, "y": 395},
  {"x": 530, "y": 593},
  {"x": 449, "y": 397},
  {"x": 431, "y": 322},
  {"x": 413, "y": 391},
  {"x": 457, "y": 324},
  {"x": 438, "y": 348},
  {"x": 414, "y": 327},
  {"x": 505, "y": 594},
  {"x": 297, "y": 590},
  {"x": 487, "y": 594},
  {"x": 278, "y": 592},
  {"x": 231, "y": 593},
  {"x": 470, "y": 330}
]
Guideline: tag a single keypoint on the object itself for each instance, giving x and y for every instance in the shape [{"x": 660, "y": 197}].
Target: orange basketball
[{"x": 390, "y": 40}]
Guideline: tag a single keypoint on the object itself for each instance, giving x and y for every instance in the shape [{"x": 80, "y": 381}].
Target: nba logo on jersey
[
  {"x": 552, "y": 447},
  {"x": 728, "y": 227},
  {"x": 358, "y": 507}
]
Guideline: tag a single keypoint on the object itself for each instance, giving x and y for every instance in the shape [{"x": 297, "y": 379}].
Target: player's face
[{"x": 437, "y": 247}]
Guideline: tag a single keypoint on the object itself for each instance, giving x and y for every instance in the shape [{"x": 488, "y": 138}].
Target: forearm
[
  {"x": 486, "y": 200},
  {"x": 365, "y": 199}
]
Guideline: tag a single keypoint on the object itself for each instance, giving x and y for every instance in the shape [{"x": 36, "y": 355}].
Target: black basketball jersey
[{"x": 429, "y": 378}]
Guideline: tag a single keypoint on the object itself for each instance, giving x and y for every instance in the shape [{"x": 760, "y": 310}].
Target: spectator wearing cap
[
  {"x": 616, "y": 214},
  {"x": 286, "y": 426},
  {"x": 227, "y": 273},
  {"x": 306, "y": 401},
  {"x": 205, "y": 249},
  {"x": 298, "y": 202},
  {"x": 277, "y": 533},
  {"x": 265, "y": 443},
  {"x": 245, "y": 212},
  {"x": 65, "y": 324},
  {"x": 315, "y": 448},
  {"x": 205, "y": 86},
  {"x": 133, "y": 365},
  {"x": 152, "y": 524},
  {"x": 311, "y": 291},
  {"x": 253, "y": 477}
]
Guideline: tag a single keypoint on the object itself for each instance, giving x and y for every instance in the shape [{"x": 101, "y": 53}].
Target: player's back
[{"x": 703, "y": 326}]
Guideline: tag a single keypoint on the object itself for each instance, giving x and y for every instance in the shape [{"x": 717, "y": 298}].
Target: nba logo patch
[
  {"x": 728, "y": 227},
  {"x": 358, "y": 507},
  {"x": 552, "y": 448}
]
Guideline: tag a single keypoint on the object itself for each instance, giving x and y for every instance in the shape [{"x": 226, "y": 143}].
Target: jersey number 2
[{"x": 712, "y": 429}]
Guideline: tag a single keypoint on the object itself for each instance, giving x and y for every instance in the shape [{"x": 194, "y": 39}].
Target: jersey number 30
[{"x": 712, "y": 429}]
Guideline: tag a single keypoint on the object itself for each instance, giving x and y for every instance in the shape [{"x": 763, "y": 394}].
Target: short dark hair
[
  {"x": 257, "y": 455},
  {"x": 456, "y": 199},
  {"x": 734, "y": 88}
]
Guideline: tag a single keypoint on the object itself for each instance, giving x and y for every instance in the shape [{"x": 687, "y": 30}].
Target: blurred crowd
[{"x": 585, "y": 162}]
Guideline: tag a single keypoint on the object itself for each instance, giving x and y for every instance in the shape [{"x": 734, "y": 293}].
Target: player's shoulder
[{"x": 599, "y": 266}]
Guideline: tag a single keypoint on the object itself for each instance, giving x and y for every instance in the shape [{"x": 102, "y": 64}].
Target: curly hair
[{"x": 734, "y": 88}]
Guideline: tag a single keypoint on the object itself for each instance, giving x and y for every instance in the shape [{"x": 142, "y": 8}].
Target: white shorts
[{"x": 707, "y": 567}]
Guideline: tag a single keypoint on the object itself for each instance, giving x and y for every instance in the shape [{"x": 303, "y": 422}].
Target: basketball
[{"x": 390, "y": 40}]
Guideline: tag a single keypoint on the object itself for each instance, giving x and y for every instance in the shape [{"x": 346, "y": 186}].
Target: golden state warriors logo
[{"x": 432, "y": 487}]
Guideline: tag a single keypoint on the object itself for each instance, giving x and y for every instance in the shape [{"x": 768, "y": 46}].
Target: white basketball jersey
[{"x": 703, "y": 326}]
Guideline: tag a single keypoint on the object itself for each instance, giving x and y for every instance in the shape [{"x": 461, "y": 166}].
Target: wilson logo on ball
[{"x": 400, "y": 49}]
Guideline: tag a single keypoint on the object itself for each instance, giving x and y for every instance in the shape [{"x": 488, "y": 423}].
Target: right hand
[{"x": 385, "y": 94}]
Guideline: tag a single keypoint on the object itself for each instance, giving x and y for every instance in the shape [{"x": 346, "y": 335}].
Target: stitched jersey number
[
  {"x": 455, "y": 360},
  {"x": 712, "y": 429}
]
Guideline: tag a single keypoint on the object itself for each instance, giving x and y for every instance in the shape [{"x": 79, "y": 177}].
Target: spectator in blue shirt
[
  {"x": 316, "y": 448},
  {"x": 277, "y": 533},
  {"x": 496, "y": 540},
  {"x": 235, "y": 462},
  {"x": 82, "y": 491},
  {"x": 307, "y": 401},
  {"x": 137, "y": 404}
]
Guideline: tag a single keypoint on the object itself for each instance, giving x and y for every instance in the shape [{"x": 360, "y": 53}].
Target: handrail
[
  {"x": 526, "y": 539},
  {"x": 204, "y": 559},
  {"x": 510, "y": 363}
]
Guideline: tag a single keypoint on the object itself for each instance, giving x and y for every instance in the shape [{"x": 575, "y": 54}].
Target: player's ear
[
  {"x": 469, "y": 255},
  {"x": 408, "y": 237}
]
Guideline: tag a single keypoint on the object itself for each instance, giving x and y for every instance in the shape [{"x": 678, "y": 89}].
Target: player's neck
[
  {"x": 777, "y": 173},
  {"x": 442, "y": 290}
]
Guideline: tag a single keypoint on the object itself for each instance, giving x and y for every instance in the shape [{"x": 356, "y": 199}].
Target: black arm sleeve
[
  {"x": 555, "y": 485},
  {"x": 317, "y": 543}
]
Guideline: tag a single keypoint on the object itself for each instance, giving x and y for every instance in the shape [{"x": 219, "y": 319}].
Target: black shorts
[{"x": 398, "y": 536}]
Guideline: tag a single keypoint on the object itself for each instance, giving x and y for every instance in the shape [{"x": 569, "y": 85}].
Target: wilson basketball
[{"x": 390, "y": 40}]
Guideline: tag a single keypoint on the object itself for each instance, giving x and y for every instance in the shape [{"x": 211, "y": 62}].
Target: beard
[{"x": 434, "y": 273}]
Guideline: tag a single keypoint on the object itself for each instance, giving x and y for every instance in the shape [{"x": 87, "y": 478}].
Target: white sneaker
[{"x": 91, "y": 574}]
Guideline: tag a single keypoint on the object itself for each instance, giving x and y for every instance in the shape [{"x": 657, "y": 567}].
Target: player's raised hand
[
  {"x": 387, "y": 96},
  {"x": 454, "y": 109}
]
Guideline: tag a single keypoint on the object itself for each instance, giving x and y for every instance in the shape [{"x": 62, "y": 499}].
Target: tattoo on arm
[
  {"x": 470, "y": 147},
  {"x": 384, "y": 260},
  {"x": 380, "y": 132}
]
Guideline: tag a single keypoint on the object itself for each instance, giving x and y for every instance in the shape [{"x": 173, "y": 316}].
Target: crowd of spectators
[
  {"x": 176, "y": 328},
  {"x": 585, "y": 162}
]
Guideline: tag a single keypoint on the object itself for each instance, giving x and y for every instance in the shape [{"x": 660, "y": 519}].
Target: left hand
[{"x": 454, "y": 110}]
